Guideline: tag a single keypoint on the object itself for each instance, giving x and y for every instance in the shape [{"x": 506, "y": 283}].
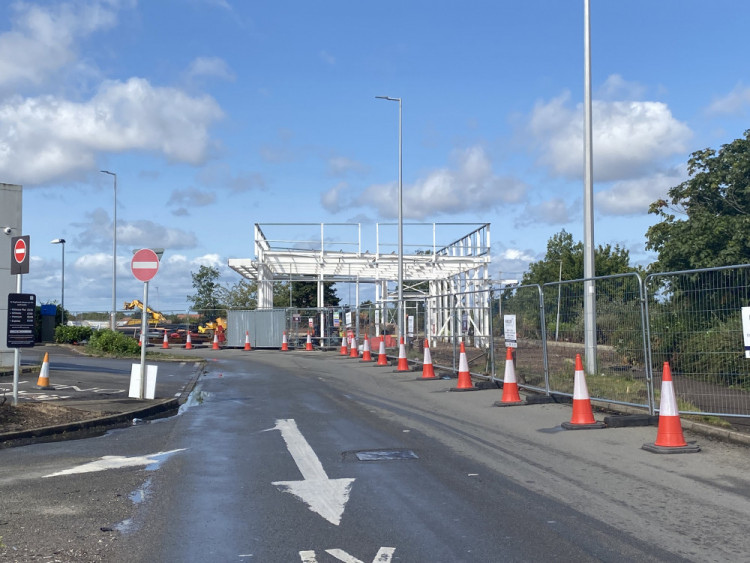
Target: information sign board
[{"x": 20, "y": 333}]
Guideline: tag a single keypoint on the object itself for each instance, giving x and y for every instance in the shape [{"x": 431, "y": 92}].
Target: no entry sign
[
  {"x": 19, "y": 261},
  {"x": 145, "y": 264}
]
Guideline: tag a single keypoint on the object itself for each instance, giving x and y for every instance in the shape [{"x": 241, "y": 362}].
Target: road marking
[
  {"x": 327, "y": 497},
  {"x": 115, "y": 462},
  {"x": 384, "y": 555}
]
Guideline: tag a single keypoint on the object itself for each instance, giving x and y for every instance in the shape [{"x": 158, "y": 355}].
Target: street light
[
  {"x": 61, "y": 241},
  {"x": 112, "y": 324},
  {"x": 400, "y": 221}
]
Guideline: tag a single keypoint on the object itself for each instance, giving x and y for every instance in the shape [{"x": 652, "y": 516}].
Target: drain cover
[{"x": 385, "y": 455}]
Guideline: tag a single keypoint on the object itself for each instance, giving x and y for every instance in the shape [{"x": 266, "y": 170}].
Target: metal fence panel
[
  {"x": 524, "y": 303},
  {"x": 622, "y": 375},
  {"x": 695, "y": 324}
]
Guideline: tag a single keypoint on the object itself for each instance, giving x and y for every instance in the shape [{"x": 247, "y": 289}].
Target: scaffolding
[{"x": 450, "y": 279}]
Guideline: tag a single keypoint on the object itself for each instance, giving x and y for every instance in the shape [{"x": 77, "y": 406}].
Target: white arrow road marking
[
  {"x": 115, "y": 462},
  {"x": 325, "y": 496},
  {"x": 384, "y": 555}
]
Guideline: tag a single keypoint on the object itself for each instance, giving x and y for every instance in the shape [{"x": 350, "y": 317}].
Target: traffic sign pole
[{"x": 144, "y": 265}]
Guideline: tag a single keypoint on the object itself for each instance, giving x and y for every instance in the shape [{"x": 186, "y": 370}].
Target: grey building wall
[{"x": 11, "y": 199}]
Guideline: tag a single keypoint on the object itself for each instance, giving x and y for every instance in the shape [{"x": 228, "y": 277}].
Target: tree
[
  {"x": 207, "y": 297},
  {"x": 241, "y": 295},
  {"x": 305, "y": 294},
  {"x": 714, "y": 203},
  {"x": 561, "y": 248}
]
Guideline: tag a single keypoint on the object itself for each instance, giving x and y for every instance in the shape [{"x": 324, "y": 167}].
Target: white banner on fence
[
  {"x": 509, "y": 322},
  {"x": 746, "y": 329}
]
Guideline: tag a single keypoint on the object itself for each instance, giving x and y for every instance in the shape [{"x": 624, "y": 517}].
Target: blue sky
[{"x": 218, "y": 114}]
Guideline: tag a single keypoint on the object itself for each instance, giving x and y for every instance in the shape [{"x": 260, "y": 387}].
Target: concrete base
[
  {"x": 592, "y": 426},
  {"x": 689, "y": 449}
]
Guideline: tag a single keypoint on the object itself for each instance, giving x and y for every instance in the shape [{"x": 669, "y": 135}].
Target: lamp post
[
  {"x": 400, "y": 221},
  {"x": 112, "y": 324},
  {"x": 61, "y": 241}
]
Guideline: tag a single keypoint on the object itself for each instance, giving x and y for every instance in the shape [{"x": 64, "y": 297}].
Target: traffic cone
[
  {"x": 247, "y": 340},
  {"x": 165, "y": 344},
  {"x": 382, "y": 358},
  {"x": 583, "y": 415},
  {"x": 308, "y": 344},
  {"x": 188, "y": 342},
  {"x": 215, "y": 345},
  {"x": 344, "y": 347},
  {"x": 669, "y": 438},
  {"x": 403, "y": 363},
  {"x": 366, "y": 354},
  {"x": 284, "y": 343},
  {"x": 43, "y": 381},
  {"x": 354, "y": 352},
  {"x": 510, "y": 385},
  {"x": 428, "y": 371},
  {"x": 140, "y": 340},
  {"x": 464, "y": 377}
]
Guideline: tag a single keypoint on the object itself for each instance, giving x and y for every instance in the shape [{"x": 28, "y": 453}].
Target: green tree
[
  {"x": 561, "y": 248},
  {"x": 207, "y": 299},
  {"x": 305, "y": 294},
  {"x": 713, "y": 205},
  {"x": 241, "y": 295}
]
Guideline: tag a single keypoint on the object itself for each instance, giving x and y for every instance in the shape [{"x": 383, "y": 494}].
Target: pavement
[{"x": 99, "y": 387}]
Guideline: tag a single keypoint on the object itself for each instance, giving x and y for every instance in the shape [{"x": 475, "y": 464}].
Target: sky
[{"x": 219, "y": 114}]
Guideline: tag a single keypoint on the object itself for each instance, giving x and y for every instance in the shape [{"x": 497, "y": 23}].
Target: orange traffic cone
[
  {"x": 188, "y": 342},
  {"x": 308, "y": 344},
  {"x": 382, "y": 358},
  {"x": 428, "y": 371},
  {"x": 247, "y": 340},
  {"x": 43, "y": 381},
  {"x": 215, "y": 345},
  {"x": 354, "y": 352},
  {"x": 344, "y": 347},
  {"x": 510, "y": 385},
  {"x": 284, "y": 343},
  {"x": 403, "y": 363},
  {"x": 165, "y": 343},
  {"x": 464, "y": 377},
  {"x": 140, "y": 340},
  {"x": 583, "y": 415},
  {"x": 669, "y": 438},
  {"x": 366, "y": 353}
]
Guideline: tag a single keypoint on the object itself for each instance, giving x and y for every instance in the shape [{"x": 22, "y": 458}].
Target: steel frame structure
[{"x": 453, "y": 273}]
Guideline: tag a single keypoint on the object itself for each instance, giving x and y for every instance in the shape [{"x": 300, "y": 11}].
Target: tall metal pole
[
  {"x": 401, "y": 318},
  {"x": 589, "y": 288},
  {"x": 112, "y": 320}
]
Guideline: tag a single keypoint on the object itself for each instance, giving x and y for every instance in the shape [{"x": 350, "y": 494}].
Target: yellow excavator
[
  {"x": 156, "y": 316},
  {"x": 220, "y": 322}
]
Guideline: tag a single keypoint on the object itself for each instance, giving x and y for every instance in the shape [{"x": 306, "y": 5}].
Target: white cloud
[
  {"x": 48, "y": 138},
  {"x": 43, "y": 39},
  {"x": 470, "y": 186},
  {"x": 211, "y": 67},
  {"x": 633, "y": 197},
  {"x": 341, "y": 166},
  {"x": 554, "y": 211},
  {"x": 615, "y": 87},
  {"x": 735, "y": 103},
  {"x": 192, "y": 197},
  {"x": 335, "y": 199},
  {"x": 630, "y": 138}
]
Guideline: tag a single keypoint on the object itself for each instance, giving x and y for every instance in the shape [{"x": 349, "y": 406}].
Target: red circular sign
[
  {"x": 145, "y": 264},
  {"x": 19, "y": 251}
]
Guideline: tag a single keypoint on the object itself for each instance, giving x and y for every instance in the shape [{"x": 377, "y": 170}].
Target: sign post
[
  {"x": 144, "y": 265},
  {"x": 19, "y": 265}
]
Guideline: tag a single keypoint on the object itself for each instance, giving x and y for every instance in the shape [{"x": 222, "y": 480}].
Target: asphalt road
[{"x": 453, "y": 479}]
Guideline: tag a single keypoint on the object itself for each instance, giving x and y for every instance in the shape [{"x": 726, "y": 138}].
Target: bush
[
  {"x": 72, "y": 334},
  {"x": 111, "y": 342}
]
